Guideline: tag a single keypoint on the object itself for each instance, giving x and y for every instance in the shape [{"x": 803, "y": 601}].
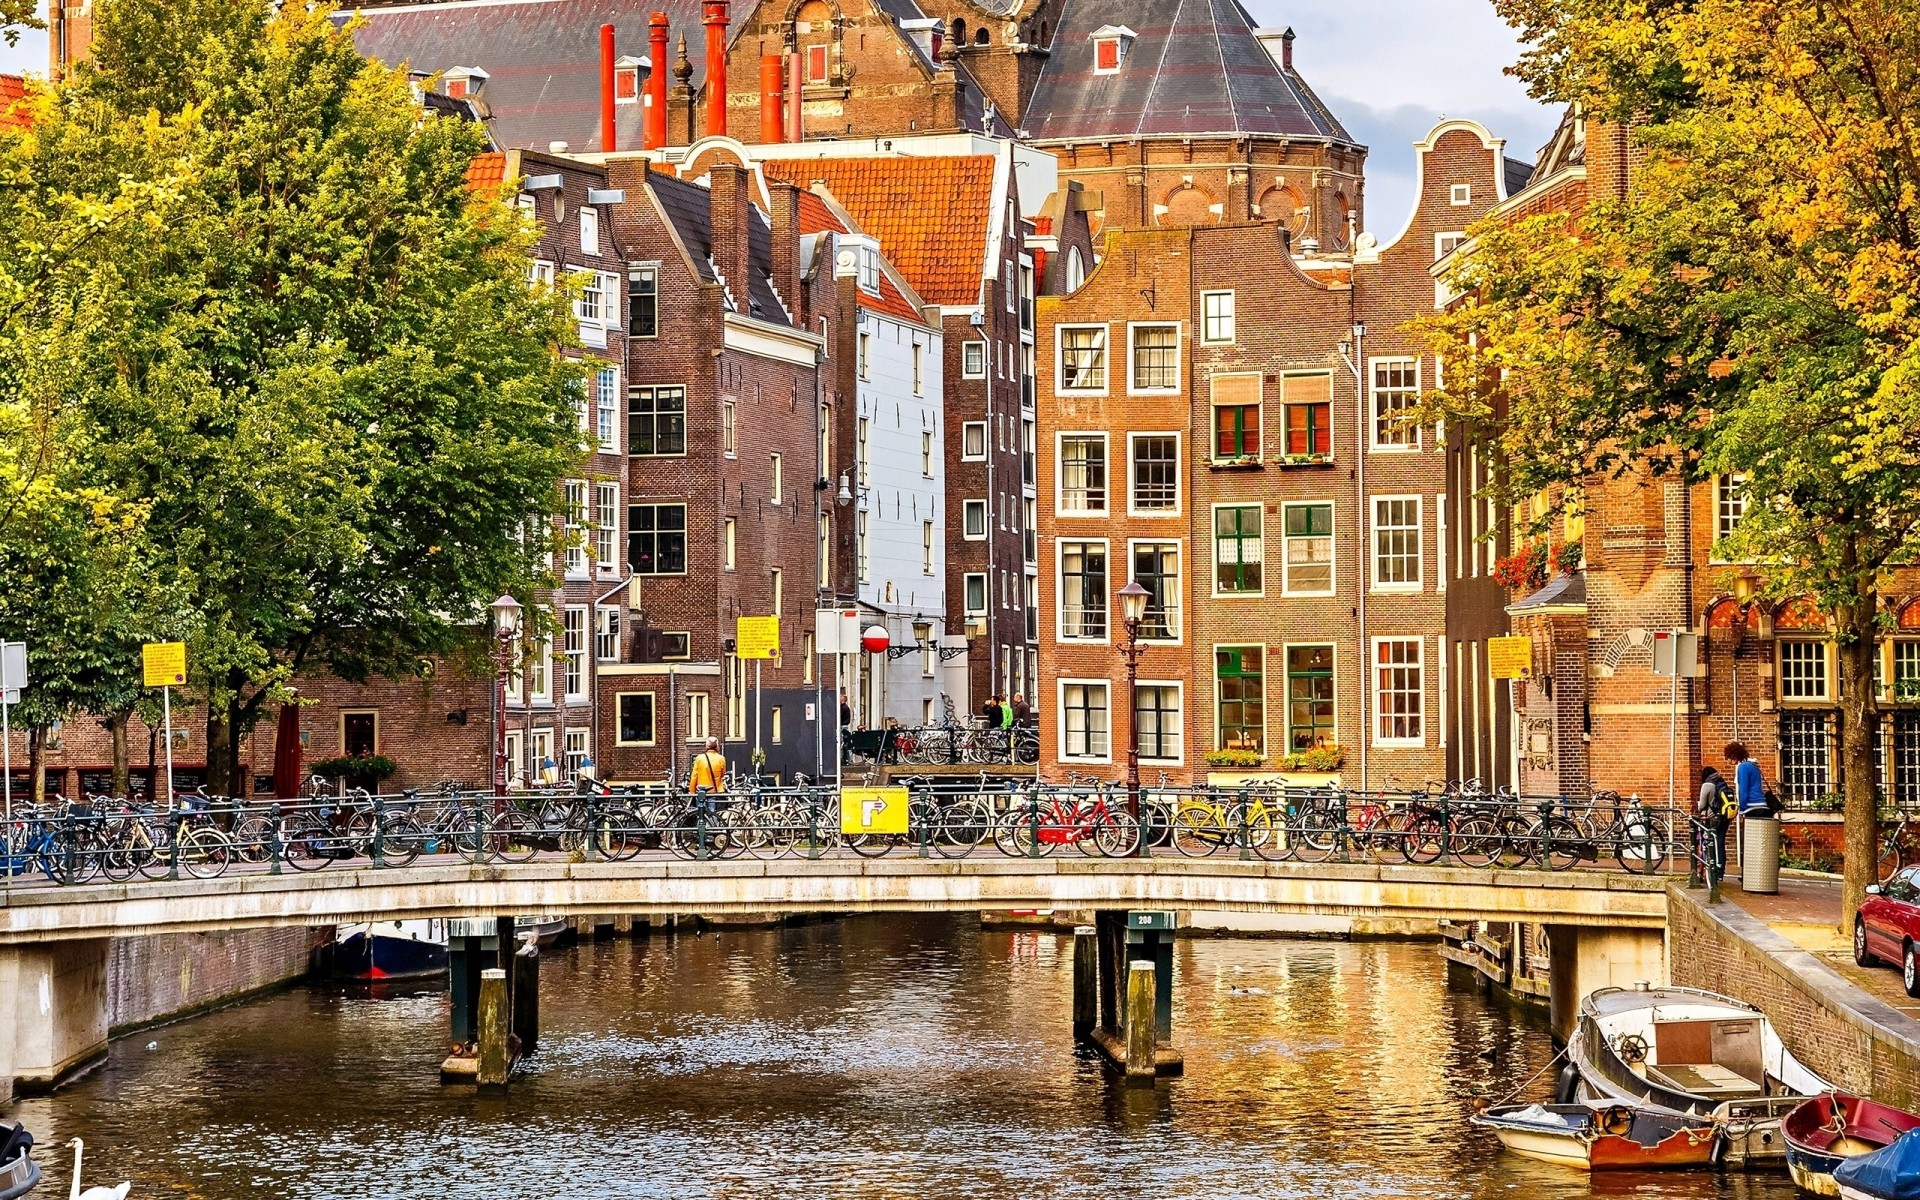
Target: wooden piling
[
  {"x": 1140, "y": 1023},
  {"x": 1086, "y": 982},
  {"x": 494, "y": 1019},
  {"x": 526, "y": 997}
]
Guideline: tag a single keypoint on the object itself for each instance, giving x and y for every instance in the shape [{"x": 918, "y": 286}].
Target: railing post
[
  {"x": 70, "y": 848},
  {"x": 275, "y": 842},
  {"x": 700, "y": 825},
  {"x": 1033, "y": 819},
  {"x": 1546, "y": 835},
  {"x": 814, "y": 799},
  {"x": 173, "y": 844},
  {"x": 1646, "y": 838},
  {"x": 1246, "y": 833},
  {"x": 920, "y": 826},
  {"x": 379, "y": 832},
  {"x": 592, "y": 837}
]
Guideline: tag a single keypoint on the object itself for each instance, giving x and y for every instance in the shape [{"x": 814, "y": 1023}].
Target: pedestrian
[
  {"x": 1714, "y": 811},
  {"x": 846, "y": 713},
  {"x": 709, "y": 773},
  {"x": 1748, "y": 787},
  {"x": 1022, "y": 711},
  {"x": 1007, "y": 713},
  {"x": 991, "y": 711}
]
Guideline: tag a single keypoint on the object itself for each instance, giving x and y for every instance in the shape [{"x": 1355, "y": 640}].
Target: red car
[{"x": 1888, "y": 927}]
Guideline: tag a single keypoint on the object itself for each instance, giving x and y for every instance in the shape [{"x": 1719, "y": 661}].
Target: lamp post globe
[
  {"x": 506, "y": 622},
  {"x": 1133, "y": 603},
  {"x": 1133, "y": 610},
  {"x": 506, "y": 616}
]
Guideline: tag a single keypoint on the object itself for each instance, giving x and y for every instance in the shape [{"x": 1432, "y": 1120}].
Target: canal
[{"x": 880, "y": 1057}]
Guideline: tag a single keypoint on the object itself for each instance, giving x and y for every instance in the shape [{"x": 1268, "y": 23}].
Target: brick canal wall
[
  {"x": 1846, "y": 1036},
  {"x": 169, "y": 975}
]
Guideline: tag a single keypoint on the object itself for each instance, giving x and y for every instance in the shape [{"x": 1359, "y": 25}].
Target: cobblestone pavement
[{"x": 1807, "y": 912}]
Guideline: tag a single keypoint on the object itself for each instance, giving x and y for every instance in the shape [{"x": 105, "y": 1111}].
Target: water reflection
[{"x": 874, "y": 1058}]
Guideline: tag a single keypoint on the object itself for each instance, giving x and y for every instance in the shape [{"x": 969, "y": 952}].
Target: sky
[{"x": 1389, "y": 69}]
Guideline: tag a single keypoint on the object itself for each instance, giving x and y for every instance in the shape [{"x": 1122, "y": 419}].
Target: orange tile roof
[
  {"x": 13, "y": 89},
  {"x": 487, "y": 171},
  {"x": 816, "y": 217},
  {"x": 930, "y": 215}
]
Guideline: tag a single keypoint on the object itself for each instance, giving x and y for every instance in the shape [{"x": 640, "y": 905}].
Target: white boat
[
  {"x": 1691, "y": 1051},
  {"x": 1603, "y": 1137},
  {"x": 545, "y": 931}
]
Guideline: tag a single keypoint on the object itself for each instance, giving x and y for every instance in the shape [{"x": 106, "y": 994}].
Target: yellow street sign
[
  {"x": 165, "y": 663},
  {"x": 756, "y": 637},
  {"x": 1510, "y": 657},
  {"x": 874, "y": 810}
]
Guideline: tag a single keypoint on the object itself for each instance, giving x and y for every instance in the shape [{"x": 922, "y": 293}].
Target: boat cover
[{"x": 1889, "y": 1174}]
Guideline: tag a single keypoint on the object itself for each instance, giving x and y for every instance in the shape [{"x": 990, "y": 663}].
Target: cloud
[{"x": 1389, "y": 135}]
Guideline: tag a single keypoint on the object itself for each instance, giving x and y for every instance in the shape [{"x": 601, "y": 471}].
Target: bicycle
[{"x": 1893, "y": 849}]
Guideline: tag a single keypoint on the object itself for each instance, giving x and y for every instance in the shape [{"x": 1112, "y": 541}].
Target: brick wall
[{"x": 151, "y": 979}]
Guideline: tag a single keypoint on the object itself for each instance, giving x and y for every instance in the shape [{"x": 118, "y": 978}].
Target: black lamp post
[
  {"x": 1133, "y": 610},
  {"x": 506, "y": 622}
]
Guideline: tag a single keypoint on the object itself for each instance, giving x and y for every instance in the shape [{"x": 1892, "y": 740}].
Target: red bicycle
[{"x": 1033, "y": 827}]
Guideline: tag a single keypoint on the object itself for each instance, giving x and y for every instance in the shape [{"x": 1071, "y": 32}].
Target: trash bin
[{"x": 1760, "y": 854}]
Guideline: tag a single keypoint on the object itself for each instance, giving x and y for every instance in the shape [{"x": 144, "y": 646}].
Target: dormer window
[
  {"x": 626, "y": 79},
  {"x": 1110, "y": 46},
  {"x": 462, "y": 82}
]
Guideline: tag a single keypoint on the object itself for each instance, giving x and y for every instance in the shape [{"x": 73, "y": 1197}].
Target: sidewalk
[{"x": 1807, "y": 912}]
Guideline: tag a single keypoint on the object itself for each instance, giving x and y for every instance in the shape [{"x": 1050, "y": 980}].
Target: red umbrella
[{"x": 286, "y": 753}]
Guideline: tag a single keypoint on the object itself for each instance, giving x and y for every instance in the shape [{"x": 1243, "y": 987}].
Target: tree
[
  {"x": 1748, "y": 305},
  {"x": 329, "y": 384}
]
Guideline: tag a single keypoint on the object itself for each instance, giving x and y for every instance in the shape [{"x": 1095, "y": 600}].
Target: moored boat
[
  {"x": 1690, "y": 1051},
  {"x": 1827, "y": 1130},
  {"x": 545, "y": 931},
  {"x": 1601, "y": 1137},
  {"x": 1892, "y": 1173},
  {"x": 19, "y": 1174},
  {"x": 375, "y": 951}
]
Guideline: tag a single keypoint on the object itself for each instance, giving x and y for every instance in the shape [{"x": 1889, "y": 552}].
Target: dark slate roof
[
  {"x": 1518, "y": 173},
  {"x": 542, "y": 57},
  {"x": 1561, "y": 590},
  {"x": 689, "y": 207},
  {"x": 1564, "y": 150},
  {"x": 1196, "y": 67}
]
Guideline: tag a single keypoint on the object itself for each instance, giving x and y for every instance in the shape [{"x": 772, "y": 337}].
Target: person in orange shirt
[{"x": 709, "y": 772}]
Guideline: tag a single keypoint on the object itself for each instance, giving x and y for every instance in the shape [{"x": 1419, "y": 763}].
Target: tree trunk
[
  {"x": 37, "y": 764},
  {"x": 236, "y": 773},
  {"x": 1854, "y": 631},
  {"x": 219, "y": 762},
  {"x": 117, "y": 730}
]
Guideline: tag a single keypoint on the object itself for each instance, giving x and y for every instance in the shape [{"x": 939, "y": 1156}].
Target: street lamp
[
  {"x": 1133, "y": 610},
  {"x": 506, "y": 623}
]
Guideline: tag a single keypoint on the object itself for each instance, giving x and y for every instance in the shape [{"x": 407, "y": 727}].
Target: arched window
[
  {"x": 1076, "y": 269},
  {"x": 980, "y": 36},
  {"x": 959, "y": 32}
]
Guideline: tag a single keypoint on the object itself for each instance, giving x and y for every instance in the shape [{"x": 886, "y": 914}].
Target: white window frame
[
  {"x": 967, "y": 509},
  {"x": 1179, "y": 462},
  {"x": 1133, "y": 714},
  {"x": 729, "y": 446},
  {"x": 1825, "y": 656},
  {"x": 576, "y": 521},
  {"x": 926, "y": 548},
  {"x": 606, "y": 633},
  {"x": 539, "y": 669},
  {"x": 589, "y": 220},
  {"x": 1179, "y": 614},
  {"x": 1728, "y": 490},
  {"x": 1333, "y": 551},
  {"x": 1060, "y": 710},
  {"x": 1060, "y": 360},
  {"x": 973, "y": 360},
  {"x": 606, "y": 535},
  {"x": 1374, "y": 691},
  {"x": 577, "y": 649},
  {"x": 776, "y": 478},
  {"x": 966, "y": 435},
  {"x": 1060, "y": 591},
  {"x": 653, "y": 702},
  {"x": 1440, "y": 553},
  {"x": 1460, "y": 195},
  {"x": 699, "y": 716},
  {"x": 1374, "y": 363},
  {"x": 1374, "y": 530},
  {"x": 966, "y": 594},
  {"x": 1179, "y": 357},
  {"x": 606, "y": 407},
  {"x": 928, "y": 444},
  {"x": 1208, "y": 319},
  {"x": 1060, "y": 440}
]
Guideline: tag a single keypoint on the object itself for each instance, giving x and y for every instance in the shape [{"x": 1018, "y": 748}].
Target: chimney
[
  {"x": 609, "y": 135},
  {"x": 654, "y": 133},
  {"x": 772, "y": 119},
  {"x": 783, "y": 214},
  {"x": 1286, "y": 48},
  {"x": 714, "y": 14},
  {"x": 730, "y": 217}
]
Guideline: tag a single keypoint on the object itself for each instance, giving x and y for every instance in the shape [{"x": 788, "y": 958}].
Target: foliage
[
  {"x": 1749, "y": 304},
  {"x": 347, "y": 766},
  {"x": 16, "y": 15},
  {"x": 1234, "y": 758},
  {"x": 1524, "y": 569},
  {"x": 1320, "y": 758}
]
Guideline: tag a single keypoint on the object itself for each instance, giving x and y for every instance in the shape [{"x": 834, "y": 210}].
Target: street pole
[
  {"x": 502, "y": 663},
  {"x": 1133, "y": 610},
  {"x": 166, "y": 719},
  {"x": 758, "y": 720}
]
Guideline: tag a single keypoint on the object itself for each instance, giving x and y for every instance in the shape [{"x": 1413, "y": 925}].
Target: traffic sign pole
[
  {"x": 166, "y": 713},
  {"x": 164, "y": 664}
]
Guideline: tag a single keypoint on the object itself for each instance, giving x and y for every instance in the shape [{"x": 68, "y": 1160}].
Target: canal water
[{"x": 882, "y": 1057}]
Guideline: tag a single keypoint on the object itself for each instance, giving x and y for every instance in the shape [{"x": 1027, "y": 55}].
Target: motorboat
[
  {"x": 19, "y": 1174},
  {"x": 1690, "y": 1051},
  {"x": 1892, "y": 1173},
  {"x": 1601, "y": 1137},
  {"x": 1833, "y": 1127},
  {"x": 542, "y": 931},
  {"x": 375, "y": 951}
]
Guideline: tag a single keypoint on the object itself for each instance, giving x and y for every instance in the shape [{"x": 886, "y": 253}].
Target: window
[
  {"x": 973, "y": 360},
  {"x": 1239, "y": 683},
  {"x": 1236, "y": 416},
  {"x": 606, "y": 526},
  {"x": 973, "y": 441},
  {"x": 626, "y": 85},
  {"x": 539, "y": 273},
  {"x": 576, "y": 749},
  {"x": 1398, "y": 692},
  {"x": 635, "y": 719},
  {"x": 926, "y": 547},
  {"x": 657, "y": 539},
  {"x": 1309, "y": 405},
  {"x": 1306, "y": 568},
  {"x": 606, "y": 634},
  {"x": 1396, "y": 543},
  {"x": 1806, "y": 755},
  {"x": 1462, "y": 194},
  {"x": 860, "y": 456},
  {"x": 1083, "y": 720},
  {"x": 1030, "y": 598},
  {"x": 575, "y": 626},
  {"x": 776, "y": 724},
  {"x": 1156, "y": 358},
  {"x": 539, "y": 677},
  {"x": 1440, "y": 536},
  {"x": 727, "y": 445},
  {"x": 1216, "y": 318},
  {"x": 817, "y": 64},
  {"x": 776, "y": 479},
  {"x": 1076, "y": 269},
  {"x": 727, "y": 543},
  {"x": 589, "y": 230},
  {"x": 862, "y": 561},
  {"x": 1236, "y": 550},
  {"x": 696, "y": 716},
  {"x": 1803, "y": 669},
  {"x": 919, "y": 352},
  {"x": 1083, "y": 591},
  {"x": 606, "y": 403},
  {"x": 1156, "y": 473},
  {"x": 1156, "y": 567},
  {"x": 1083, "y": 358},
  {"x": 778, "y": 582},
  {"x": 1729, "y": 504},
  {"x": 1309, "y": 698},
  {"x": 1156, "y": 714},
  {"x": 656, "y": 420},
  {"x": 1028, "y": 441},
  {"x": 1906, "y": 671},
  {"x": 676, "y": 647},
  {"x": 976, "y": 594},
  {"x": 643, "y": 301},
  {"x": 1106, "y": 56},
  {"x": 1083, "y": 473},
  {"x": 974, "y": 520},
  {"x": 866, "y": 344},
  {"x": 1030, "y": 530},
  {"x": 576, "y": 518},
  {"x": 1396, "y": 389},
  {"x": 1445, "y": 244},
  {"x": 590, "y": 306},
  {"x": 926, "y": 454}
]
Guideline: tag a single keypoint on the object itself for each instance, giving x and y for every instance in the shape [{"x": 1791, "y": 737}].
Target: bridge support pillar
[
  {"x": 526, "y": 997},
  {"x": 1128, "y": 947},
  {"x": 53, "y": 1012},
  {"x": 495, "y": 1058},
  {"x": 1086, "y": 982},
  {"x": 1586, "y": 958}
]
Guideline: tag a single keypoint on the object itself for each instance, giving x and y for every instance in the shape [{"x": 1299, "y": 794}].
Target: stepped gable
[
  {"x": 930, "y": 215},
  {"x": 542, "y": 58},
  {"x": 1194, "y": 67},
  {"x": 689, "y": 208}
]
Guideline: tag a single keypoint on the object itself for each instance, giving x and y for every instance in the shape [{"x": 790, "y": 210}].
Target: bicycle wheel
[
  {"x": 204, "y": 852},
  {"x": 1315, "y": 833},
  {"x": 1517, "y": 842},
  {"x": 1196, "y": 831},
  {"x": 152, "y": 850},
  {"x": 1642, "y": 844},
  {"x": 1556, "y": 843},
  {"x": 1253, "y": 825},
  {"x": 1117, "y": 834},
  {"x": 1476, "y": 841},
  {"x": 1424, "y": 839},
  {"x": 621, "y": 836},
  {"x": 401, "y": 841},
  {"x": 961, "y": 828},
  {"x": 115, "y": 862},
  {"x": 251, "y": 838},
  {"x": 872, "y": 845},
  {"x": 1017, "y": 835}
]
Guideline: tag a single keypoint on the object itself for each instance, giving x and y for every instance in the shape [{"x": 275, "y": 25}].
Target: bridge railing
[{"x": 60, "y": 844}]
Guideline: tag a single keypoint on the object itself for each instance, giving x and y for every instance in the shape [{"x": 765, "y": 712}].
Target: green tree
[
  {"x": 332, "y": 391},
  {"x": 1749, "y": 304}
]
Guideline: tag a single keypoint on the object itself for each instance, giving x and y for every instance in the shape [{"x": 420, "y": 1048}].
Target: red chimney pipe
[
  {"x": 653, "y": 135},
  {"x": 609, "y": 136},
  {"x": 714, "y": 14},
  {"x": 795, "y": 81},
  {"x": 772, "y": 119}
]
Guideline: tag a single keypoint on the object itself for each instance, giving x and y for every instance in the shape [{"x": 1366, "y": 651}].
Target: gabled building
[{"x": 13, "y": 94}]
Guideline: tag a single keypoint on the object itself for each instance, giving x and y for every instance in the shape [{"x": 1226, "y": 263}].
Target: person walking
[
  {"x": 1714, "y": 811},
  {"x": 1022, "y": 711}
]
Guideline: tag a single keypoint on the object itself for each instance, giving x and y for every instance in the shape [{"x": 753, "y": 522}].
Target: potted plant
[
  {"x": 1320, "y": 760},
  {"x": 375, "y": 767},
  {"x": 1234, "y": 758}
]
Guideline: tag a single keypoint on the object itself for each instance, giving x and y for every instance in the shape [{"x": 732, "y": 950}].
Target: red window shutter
[{"x": 1106, "y": 54}]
